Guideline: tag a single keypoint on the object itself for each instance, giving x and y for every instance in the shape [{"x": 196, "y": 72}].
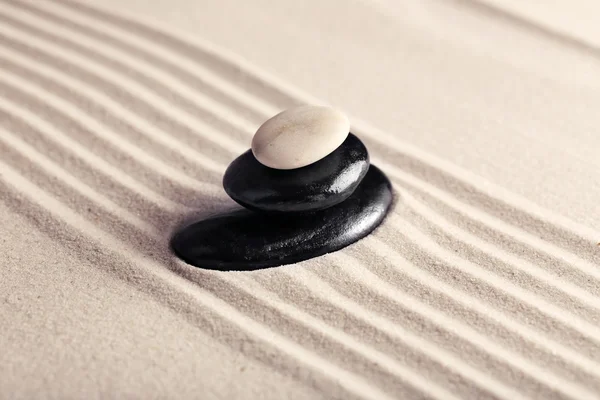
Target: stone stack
[{"x": 308, "y": 189}]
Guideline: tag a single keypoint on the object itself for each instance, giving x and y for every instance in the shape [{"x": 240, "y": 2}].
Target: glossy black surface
[
  {"x": 246, "y": 240},
  {"x": 322, "y": 184}
]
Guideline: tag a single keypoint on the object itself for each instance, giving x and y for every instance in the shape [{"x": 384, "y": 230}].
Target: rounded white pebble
[{"x": 299, "y": 136}]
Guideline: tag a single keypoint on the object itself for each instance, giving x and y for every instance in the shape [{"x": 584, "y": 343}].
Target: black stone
[
  {"x": 319, "y": 185},
  {"x": 246, "y": 240}
]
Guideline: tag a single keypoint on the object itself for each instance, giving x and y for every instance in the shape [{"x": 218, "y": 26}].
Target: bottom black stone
[{"x": 244, "y": 240}]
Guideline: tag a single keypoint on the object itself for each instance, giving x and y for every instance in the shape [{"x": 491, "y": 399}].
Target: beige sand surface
[{"x": 118, "y": 118}]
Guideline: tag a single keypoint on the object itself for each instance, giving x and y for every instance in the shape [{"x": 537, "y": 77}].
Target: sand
[{"x": 118, "y": 118}]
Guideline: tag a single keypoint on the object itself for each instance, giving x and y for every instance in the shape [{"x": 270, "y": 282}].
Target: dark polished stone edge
[
  {"x": 252, "y": 207},
  {"x": 217, "y": 265}
]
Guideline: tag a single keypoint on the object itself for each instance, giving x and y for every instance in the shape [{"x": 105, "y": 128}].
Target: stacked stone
[
  {"x": 308, "y": 189},
  {"x": 303, "y": 159}
]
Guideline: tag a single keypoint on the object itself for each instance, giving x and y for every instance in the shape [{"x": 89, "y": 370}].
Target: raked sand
[{"x": 118, "y": 119}]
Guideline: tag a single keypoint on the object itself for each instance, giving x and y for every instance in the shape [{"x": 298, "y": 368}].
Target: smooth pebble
[
  {"x": 319, "y": 185},
  {"x": 246, "y": 240},
  {"x": 299, "y": 136}
]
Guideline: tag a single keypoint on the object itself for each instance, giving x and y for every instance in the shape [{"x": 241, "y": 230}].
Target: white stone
[{"x": 299, "y": 136}]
